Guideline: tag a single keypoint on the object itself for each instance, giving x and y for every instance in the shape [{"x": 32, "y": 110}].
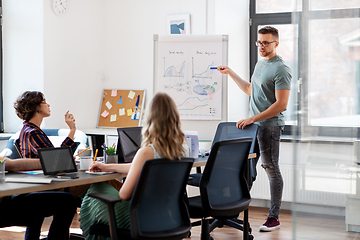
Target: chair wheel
[
  {"x": 251, "y": 237},
  {"x": 189, "y": 234}
]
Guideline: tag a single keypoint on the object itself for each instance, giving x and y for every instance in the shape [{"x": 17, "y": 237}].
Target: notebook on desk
[{"x": 55, "y": 161}]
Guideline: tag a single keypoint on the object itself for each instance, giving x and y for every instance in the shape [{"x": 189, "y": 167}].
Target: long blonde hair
[{"x": 162, "y": 127}]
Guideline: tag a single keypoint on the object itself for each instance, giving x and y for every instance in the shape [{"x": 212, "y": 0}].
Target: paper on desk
[
  {"x": 36, "y": 172},
  {"x": 28, "y": 180}
]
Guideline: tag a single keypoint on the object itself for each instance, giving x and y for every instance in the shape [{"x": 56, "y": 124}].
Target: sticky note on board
[
  {"x": 131, "y": 94},
  {"x": 108, "y": 105},
  {"x": 129, "y": 112},
  {"x": 105, "y": 114},
  {"x": 113, "y": 118},
  {"x": 114, "y": 93},
  {"x": 122, "y": 111}
]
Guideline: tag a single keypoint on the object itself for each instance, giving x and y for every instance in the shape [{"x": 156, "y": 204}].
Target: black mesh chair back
[
  {"x": 223, "y": 186},
  {"x": 158, "y": 208},
  {"x": 17, "y": 147},
  {"x": 228, "y": 131}
]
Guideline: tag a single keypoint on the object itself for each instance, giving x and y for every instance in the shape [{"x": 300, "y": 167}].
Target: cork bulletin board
[{"x": 121, "y": 108}]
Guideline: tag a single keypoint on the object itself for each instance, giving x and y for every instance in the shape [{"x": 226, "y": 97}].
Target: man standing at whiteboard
[{"x": 269, "y": 92}]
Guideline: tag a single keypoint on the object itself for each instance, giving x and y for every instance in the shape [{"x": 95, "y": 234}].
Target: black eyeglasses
[{"x": 264, "y": 44}]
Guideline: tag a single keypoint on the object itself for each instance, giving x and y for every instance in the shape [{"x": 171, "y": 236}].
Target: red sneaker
[{"x": 271, "y": 224}]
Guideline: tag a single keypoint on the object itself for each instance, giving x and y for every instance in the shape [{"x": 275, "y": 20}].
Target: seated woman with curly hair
[{"x": 32, "y": 107}]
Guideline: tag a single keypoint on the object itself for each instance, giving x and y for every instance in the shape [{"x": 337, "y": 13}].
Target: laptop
[
  {"x": 58, "y": 161},
  {"x": 129, "y": 142}
]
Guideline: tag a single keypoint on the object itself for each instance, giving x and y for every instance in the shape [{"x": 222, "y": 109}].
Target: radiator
[{"x": 314, "y": 185}]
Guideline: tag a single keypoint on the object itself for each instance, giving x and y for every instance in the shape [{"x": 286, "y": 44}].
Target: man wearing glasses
[{"x": 269, "y": 92}]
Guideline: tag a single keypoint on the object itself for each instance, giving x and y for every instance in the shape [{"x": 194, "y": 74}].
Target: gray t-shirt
[{"x": 269, "y": 75}]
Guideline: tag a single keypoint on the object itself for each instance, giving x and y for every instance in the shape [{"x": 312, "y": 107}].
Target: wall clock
[{"x": 60, "y": 6}]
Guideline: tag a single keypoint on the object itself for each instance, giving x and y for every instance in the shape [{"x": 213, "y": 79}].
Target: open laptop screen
[
  {"x": 57, "y": 160},
  {"x": 128, "y": 143}
]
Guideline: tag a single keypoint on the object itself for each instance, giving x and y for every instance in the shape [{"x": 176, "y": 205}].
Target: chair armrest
[
  {"x": 110, "y": 202},
  {"x": 194, "y": 179},
  {"x": 105, "y": 198}
]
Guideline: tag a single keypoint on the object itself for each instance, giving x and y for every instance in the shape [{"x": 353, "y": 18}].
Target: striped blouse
[{"x": 32, "y": 138}]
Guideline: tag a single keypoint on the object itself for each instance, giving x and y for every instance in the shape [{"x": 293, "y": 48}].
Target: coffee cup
[{"x": 85, "y": 162}]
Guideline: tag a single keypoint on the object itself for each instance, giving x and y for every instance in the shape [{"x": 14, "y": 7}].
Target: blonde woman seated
[{"x": 162, "y": 138}]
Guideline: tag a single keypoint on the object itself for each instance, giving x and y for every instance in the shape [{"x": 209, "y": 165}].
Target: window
[
  {"x": 326, "y": 70},
  {"x": 288, "y": 34},
  {"x": 1, "y": 73}
]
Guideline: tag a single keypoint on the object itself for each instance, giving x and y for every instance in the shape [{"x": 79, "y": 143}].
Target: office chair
[
  {"x": 224, "y": 192},
  {"x": 157, "y": 207},
  {"x": 228, "y": 131},
  {"x": 56, "y": 136},
  {"x": 17, "y": 147}
]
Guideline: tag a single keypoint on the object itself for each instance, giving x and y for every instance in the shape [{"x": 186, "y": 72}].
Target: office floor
[{"x": 308, "y": 226}]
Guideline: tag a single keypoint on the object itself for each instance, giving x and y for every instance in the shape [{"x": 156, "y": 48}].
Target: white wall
[
  {"x": 109, "y": 44},
  {"x": 22, "y": 53}
]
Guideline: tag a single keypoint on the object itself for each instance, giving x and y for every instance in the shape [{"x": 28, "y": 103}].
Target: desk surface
[{"x": 10, "y": 188}]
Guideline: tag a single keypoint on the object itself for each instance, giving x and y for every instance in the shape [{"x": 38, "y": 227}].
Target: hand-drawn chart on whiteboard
[{"x": 183, "y": 72}]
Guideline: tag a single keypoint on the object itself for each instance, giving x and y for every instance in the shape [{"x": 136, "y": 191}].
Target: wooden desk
[
  {"x": 201, "y": 161},
  {"x": 10, "y": 188}
]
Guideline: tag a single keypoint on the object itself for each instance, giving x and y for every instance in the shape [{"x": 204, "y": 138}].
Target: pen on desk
[
  {"x": 95, "y": 156},
  {"x": 82, "y": 151}
]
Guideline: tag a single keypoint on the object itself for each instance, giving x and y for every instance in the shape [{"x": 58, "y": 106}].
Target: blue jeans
[
  {"x": 34, "y": 207},
  {"x": 269, "y": 145}
]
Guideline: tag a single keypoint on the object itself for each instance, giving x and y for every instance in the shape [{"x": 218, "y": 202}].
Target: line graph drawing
[
  {"x": 172, "y": 71},
  {"x": 189, "y": 104},
  {"x": 207, "y": 73}
]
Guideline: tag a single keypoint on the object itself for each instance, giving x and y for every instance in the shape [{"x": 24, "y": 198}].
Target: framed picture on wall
[{"x": 178, "y": 24}]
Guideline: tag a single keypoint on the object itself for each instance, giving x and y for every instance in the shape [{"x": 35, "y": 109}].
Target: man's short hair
[{"x": 269, "y": 30}]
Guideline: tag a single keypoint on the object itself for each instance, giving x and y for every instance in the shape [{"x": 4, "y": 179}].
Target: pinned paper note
[
  {"x": 108, "y": 105},
  {"x": 131, "y": 94},
  {"x": 105, "y": 114},
  {"x": 113, "y": 118},
  {"x": 114, "y": 93},
  {"x": 122, "y": 111},
  {"x": 129, "y": 112}
]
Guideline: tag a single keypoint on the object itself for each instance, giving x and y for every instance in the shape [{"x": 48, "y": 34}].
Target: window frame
[
  {"x": 303, "y": 18},
  {"x": 1, "y": 72}
]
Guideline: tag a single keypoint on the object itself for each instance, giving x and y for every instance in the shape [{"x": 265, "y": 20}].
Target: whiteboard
[{"x": 182, "y": 69}]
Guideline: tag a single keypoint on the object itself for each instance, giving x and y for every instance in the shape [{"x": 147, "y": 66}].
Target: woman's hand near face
[{"x": 70, "y": 121}]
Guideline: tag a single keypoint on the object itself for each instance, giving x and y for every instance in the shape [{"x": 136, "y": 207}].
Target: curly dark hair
[
  {"x": 27, "y": 104},
  {"x": 268, "y": 29}
]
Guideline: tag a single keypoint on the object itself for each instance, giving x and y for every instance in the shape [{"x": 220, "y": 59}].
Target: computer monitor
[{"x": 129, "y": 142}]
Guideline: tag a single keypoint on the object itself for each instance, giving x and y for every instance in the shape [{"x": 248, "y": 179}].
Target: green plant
[{"x": 111, "y": 151}]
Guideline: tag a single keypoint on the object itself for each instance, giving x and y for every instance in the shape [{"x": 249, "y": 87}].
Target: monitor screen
[
  {"x": 128, "y": 143},
  {"x": 57, "y": 160}
]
